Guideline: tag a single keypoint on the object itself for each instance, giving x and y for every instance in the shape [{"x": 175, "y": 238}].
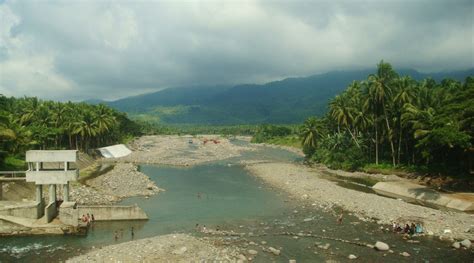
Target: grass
[{"x": 92, "y": 172}]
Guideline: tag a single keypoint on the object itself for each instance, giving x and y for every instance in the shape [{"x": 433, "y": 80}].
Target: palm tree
[
  {"x": 404, "y": 93},
  {"x": 379, "y": 93},
  {"x": 104, "y": 119},
  {"x": 310, "y": 133}
]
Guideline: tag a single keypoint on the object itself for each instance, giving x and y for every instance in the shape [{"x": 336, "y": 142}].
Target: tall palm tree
[
  {"x": 403, "y": 94},
  {"x": 380, "y": 92}
]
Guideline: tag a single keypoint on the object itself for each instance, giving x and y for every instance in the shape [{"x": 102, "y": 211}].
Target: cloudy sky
[{"x": 74, "y": 50}]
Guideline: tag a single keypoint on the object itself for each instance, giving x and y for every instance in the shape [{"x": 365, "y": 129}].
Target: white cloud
[{"x": 75, "y": 50}]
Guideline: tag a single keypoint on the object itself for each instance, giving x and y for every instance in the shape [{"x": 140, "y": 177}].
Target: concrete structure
[
  {"x": 51, "y": 168},
  {"x": 115, "y": 151},
  {"x": 414, "y": 192},
  {"x": 111, "y": 213}
]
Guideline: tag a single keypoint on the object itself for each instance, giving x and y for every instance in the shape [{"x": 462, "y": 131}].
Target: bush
[{"x": 338, "y": 151}]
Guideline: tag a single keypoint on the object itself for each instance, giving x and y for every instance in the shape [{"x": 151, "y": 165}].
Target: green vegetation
[
  {"x": 396, "y": 120},
  {"x": 286, "y": 135},
  {"x": 29, "y": 123}
]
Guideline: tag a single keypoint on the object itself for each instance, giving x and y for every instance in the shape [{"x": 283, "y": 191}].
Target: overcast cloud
[{"x": 99, "y": 49}]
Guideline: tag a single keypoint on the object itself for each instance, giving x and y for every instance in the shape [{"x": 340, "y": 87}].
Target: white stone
[
  {"x": 456, "y": 245},
  {"x": 252, "y": 252},
  {"x": 466, "y": 243},
  {"x": 405, "y": 254},
  {"x": 381, "y": 246},
  {"x": 274, "y": 251},
  {"x": 351, "y": 256}
]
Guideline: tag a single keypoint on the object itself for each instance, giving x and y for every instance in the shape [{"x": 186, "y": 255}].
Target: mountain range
[{"x": 290, "y": 100}]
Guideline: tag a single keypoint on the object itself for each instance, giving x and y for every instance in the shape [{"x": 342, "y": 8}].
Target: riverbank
[
  {"x": 167, "y": 248},
  {"x": 181, "y": 150},
  {"x": 123, "y": 181},
  {"x": 305, "y": 184}
]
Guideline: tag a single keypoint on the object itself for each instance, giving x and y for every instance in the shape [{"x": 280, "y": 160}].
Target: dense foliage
[
  {"x": 396, "y": 119},
  {"x": 30, "y": 123}
]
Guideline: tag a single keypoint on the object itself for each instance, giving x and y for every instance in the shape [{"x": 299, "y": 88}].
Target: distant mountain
[
  {"x": 95, "y": 101},
  {"x": 287, "y": 101}
]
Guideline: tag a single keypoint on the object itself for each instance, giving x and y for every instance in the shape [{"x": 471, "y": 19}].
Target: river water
[{"x": 223, "y": 195}]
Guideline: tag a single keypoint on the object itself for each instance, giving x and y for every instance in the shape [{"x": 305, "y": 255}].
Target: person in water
[
  {"x": 406, "y": 230},
  {"x": 339, "y": 219},
  {"x": 132, "y": 232},
  {"x": 116, "y": 235}
]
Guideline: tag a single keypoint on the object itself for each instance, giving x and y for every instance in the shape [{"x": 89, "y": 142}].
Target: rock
[
  {"x": 326, "y": 246},
  {"x": 308, "y": 219},
  {"x": 447, "y": 231},
  {"x": 352, "y": 256},
  {"x": 180, "y": 251},
  {"x": 381, "y": 246},
  {"x": 252, "y": 252},
  {"x": 405, "y": 254},
  {"x": 274, "y": 251},
  {"x": 263, "y": 242},
  {"x": 242, "y": 257},
  {"x": 456, "y": 245},
  {"x": 292, "y": 261},
  {"x": 466, "y": 243}
]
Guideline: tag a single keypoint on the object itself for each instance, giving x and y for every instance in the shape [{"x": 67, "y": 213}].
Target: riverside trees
[
  {"x": 29, "y": 123},
  {"x": 396, "y": 119}
]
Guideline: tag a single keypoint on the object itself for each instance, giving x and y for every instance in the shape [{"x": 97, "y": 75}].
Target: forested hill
[{"x": 287, "y": 101}]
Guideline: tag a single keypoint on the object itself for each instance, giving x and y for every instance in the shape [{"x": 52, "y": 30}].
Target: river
[{"x": 223, "y": 195}]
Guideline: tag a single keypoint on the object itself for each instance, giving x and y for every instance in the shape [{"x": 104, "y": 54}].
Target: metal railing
[{"x": 12, "y": 174}]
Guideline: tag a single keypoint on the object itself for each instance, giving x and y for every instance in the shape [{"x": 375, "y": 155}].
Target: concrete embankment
[
  {"x": 414, "y": 192},
  {"x": 107, "y": 213}
]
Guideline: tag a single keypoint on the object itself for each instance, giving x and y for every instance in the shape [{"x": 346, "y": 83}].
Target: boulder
[
  {"x": 456, "y": 245},
  {"x": 405, "y": 254},
  {"x": 381, "y": 246},
  {"x": 351, "y": 256},
  {"x": 252, "y": 252},
  {"x": 274, "y": 251},
  {"x": 466, "y": 243}
]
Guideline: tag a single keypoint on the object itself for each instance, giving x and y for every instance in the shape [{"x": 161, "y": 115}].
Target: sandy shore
[
  {"x": 305, "y": 184},
  {"x": 168, "y": 248},
  {"x": 177, "y": 150}
]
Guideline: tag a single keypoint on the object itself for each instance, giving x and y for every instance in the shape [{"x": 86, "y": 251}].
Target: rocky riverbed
[
  {"x": 306, "y": 184},
  {"x": 123, "y": 181},
  {"x": 182, "y": 150},
  {"x": 167, "y": 248}
]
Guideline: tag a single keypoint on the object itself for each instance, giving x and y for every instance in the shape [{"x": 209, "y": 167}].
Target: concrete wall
[
  {"x": 69, "y": 214},
  {"x": 105, "y": 213},
  {"x": 32, "y": 210},
  {"x": 52, "y": 177},
  {"x": 412, "y": 192},
  {"x": 50, "y": 212},
  {"x": 51, "y": 156}
]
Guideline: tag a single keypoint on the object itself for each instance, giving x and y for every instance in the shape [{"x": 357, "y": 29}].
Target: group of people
[
  {"x": 410, "y": 229},
  {"x": 89, "y": 218}
]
